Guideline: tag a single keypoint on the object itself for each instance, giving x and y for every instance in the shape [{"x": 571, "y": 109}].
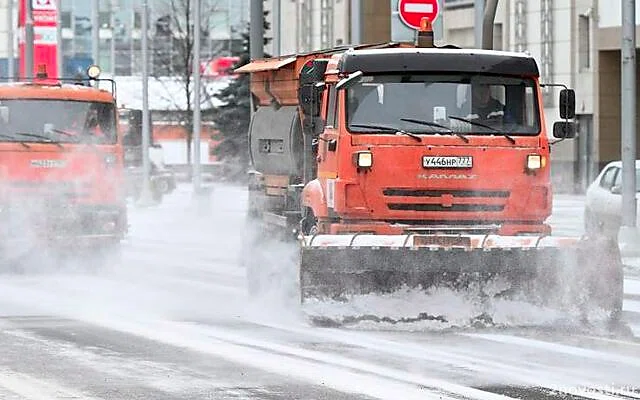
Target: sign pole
[
  {"x": 10, "y": 42},
  {"x": 628, "y": 231},
  {"x": 145, "y": 195},
  {"x": 59, "y": 55},
  {"x": 478, "y": 9},
  {"x": 197, "y": 124},
  {"x": 28, "y": 40},
  {"x": 95, "y": 32}
]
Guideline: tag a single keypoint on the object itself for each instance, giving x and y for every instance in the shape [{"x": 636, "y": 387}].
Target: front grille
[
  {"x": 61, "y": 191},
  {"x": 438, "y": 193},
  {"x": 452, "y": 208},
  {"x": 445, "y": 200}
]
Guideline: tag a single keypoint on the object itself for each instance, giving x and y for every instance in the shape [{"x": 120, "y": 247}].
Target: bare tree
[{"x": 173, "y": 50}]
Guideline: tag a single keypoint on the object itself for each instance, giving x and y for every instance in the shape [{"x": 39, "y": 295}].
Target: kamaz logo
[
  {"x": 448, "y": 176},
  {"x": 48, "y": 163}
]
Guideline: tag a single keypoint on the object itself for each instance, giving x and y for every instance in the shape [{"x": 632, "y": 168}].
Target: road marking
[
  {"x": 558, "y": 348},
  {"x": 30, "y": 388},
  {"x": 631, "y": 306},
  {"x": 345, "y": 375},
  {"x": 632, "y": 286},
  {"x": 553, "y": 378}
]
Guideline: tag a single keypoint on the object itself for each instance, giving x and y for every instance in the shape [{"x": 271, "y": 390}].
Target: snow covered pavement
[{"x": 172, "y": 321}]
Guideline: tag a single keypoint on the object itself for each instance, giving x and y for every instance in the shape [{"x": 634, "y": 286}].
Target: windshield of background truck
[
  {"x": 63, "y": 121},
  {"x": 454, "y": 102}
]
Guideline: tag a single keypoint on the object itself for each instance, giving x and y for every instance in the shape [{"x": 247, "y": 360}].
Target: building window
[
  {"x": 65, "y": 19},
  {"x": 104, "y": 19},
  {"x": 584, "y": 41}
]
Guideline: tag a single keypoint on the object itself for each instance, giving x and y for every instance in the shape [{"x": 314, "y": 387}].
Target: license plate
[{"x": 447, "y": 162}]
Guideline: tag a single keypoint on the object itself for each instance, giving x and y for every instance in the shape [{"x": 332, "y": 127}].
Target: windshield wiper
[
  {"x": 491, "y": 128},
  {"x": 13, "y": 137},
  {"x": 42, "y": 137},
  {"x": 388, "y": 129},
  {"x": 434, "y": 124},
  {"x": 62, "y": 132}
]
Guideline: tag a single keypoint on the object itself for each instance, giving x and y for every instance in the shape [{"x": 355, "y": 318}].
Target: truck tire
[
  {"x": 105, "y": 256},
  {"x": 309, "y": 223},
  {"x": 163, "y": 186}
]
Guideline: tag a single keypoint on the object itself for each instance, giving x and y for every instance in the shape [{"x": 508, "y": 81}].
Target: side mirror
[
  {"x": 564, "y": 130},
  {"x": 349, "y": 81},
  {"x": 567, "y": 104},
  {"x": 616, "y": 189},
  {"x": 310, "y": 97}
]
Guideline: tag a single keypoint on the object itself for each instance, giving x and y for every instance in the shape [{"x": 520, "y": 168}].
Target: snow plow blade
[{"x": 556, "y": 271}]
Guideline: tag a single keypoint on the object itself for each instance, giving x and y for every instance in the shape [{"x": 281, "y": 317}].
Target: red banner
[{"x": 45, "y": 32}]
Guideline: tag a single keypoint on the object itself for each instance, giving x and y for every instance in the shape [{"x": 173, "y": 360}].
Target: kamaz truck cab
[{"x": 61, "y": 165}]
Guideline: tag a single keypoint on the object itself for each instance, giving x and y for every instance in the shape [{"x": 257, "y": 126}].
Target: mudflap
[{"x": 572, "y": 274}]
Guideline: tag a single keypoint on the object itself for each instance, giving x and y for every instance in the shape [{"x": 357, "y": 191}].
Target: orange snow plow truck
[
  {"x": 61, "y": 166},
  {"x": 408, "y": 165}
]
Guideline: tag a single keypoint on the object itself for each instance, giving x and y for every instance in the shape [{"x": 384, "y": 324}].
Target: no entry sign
[{"x": 412, "y": 11}]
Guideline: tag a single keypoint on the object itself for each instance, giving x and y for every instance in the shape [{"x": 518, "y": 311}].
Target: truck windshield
[
  {"x": 61, "y": 121},
  {"x": 478, "y": 104}
]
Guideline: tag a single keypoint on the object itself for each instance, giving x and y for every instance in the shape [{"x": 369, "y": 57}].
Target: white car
[{"x": 603, "y": 208}]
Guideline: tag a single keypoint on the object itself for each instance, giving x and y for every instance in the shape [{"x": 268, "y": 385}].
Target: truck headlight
[
  {"x": 110, "y": 160},
  {"x": 364, "y": 159},
  {"x": 535, "y": 161}
]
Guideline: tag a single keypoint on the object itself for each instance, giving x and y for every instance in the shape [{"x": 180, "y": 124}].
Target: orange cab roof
[{"x": 28, "y": 90}]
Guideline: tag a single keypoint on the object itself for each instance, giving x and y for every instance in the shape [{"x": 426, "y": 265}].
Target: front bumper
[{"x": 70, "y": 224}]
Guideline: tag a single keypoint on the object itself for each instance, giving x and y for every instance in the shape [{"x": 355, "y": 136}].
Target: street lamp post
[
  {"x": 59, "y": 55},
  {"x": 197, "y": 95},
  {"x": 145, "y": 195},
  {"x": 115, "y": 7},
  {"x": 256, "y": 30},
  {"x": 478, "y": 21},
  {"x": 10, "y": 41},
  {"x": 95, "y": 31},
  {"x": 629, "y": 231},
  {"x": 28, "y": 41}
]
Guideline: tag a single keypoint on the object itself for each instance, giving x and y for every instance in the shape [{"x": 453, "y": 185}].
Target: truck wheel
[
  {"x": 105, "y": 256},
  {"x": 163, "y": 186},
  {"x": 156, "y": 194},
  {"x": 250, "y": 258},
  {"x": 309, "y": 223}
]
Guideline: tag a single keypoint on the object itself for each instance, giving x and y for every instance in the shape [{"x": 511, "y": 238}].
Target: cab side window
[
  {"x": 608, "y": 178},
  {"x": 331, "y": 107}
]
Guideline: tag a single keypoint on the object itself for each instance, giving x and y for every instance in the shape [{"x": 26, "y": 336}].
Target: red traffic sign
[
  {"x": 412, "y": 11},
  {"x": 49, "y": 5}
]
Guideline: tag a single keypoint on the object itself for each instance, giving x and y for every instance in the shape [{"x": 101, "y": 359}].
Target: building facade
[
  {"x": 119, "y": 23},
  {"x": 304, "y": 25},
  {"x": 608, "y": 86}
]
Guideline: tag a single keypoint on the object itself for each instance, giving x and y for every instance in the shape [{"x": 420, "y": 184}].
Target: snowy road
[{"x": 172, "y": 321}]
